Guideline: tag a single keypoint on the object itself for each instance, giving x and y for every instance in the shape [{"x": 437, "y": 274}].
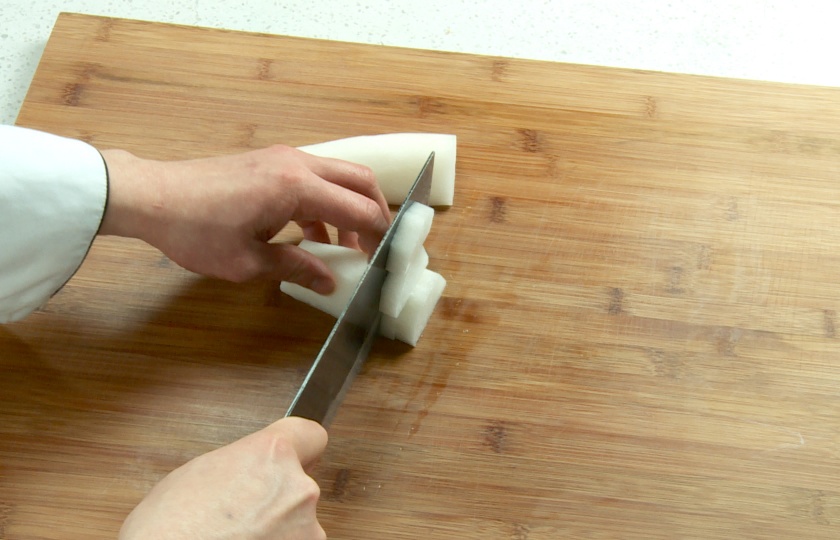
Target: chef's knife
[{"x": 350, "y": 340}]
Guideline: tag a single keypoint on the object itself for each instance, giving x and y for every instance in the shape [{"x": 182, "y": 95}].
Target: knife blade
[{"x": 349, "y": 342}]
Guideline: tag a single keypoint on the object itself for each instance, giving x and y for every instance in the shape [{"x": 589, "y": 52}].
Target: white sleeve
[{"x": 53, "y": 193}]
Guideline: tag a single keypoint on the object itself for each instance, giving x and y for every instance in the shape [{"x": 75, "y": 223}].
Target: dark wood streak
[
  {"x": 5, "y": 518},
  {"x": 340, "y": 485},
  {"x": 675, "y": 278},
  {"x": 829, "y": 324},
  {"x": 498, "y": 209},
  {"x": 530, "y": 140},
  {"x": 498, "y": 70},
  {"x": 495, "y": 435},
  {"x": 616, "y": 301},
  {"x": 427, "y": 106},
  {"x": 651, "y": 106},
  {"x": 521, "y": 532},
  {"x": 72, "y": 94},
  {"x": 104, "y": 33},
  {"x": 264, "y": 69}
]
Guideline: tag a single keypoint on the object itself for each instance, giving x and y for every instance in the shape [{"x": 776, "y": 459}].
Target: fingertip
[
  {"x": 348, "y": 239},
  {"x": 369, "y": 243},
  {"x": 318, "y": 281},
  {"x": 301, "y": 425},
  {"x": 308, "y": 437},
  {"x": 287, "y": 262},
  {"x": 322, "y": 285}
]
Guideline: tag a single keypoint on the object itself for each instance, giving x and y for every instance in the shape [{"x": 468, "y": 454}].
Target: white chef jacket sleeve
[{"x": 53, "y": 193}]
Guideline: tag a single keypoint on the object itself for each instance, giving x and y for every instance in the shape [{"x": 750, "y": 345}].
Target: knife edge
[{"x": 351, "y": 338}]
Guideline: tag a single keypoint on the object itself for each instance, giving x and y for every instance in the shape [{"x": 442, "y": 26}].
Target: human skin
[
  {"x": 215, "y": 216},
  {"x": 253, "y": 489}
]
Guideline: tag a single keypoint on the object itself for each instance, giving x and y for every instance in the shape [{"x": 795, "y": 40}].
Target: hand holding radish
[
  {"x": 410, "y": 292},
  {"x": 215, "y": 216}
]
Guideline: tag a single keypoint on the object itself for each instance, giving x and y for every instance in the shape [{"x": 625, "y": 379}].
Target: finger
[
  {"x": 286, "y": 262},
  {"x": 342, "y": 208},
  {"x": 348, "y": 239},
  {"x": 352, "y": 176},
  {"x": 308, "y": 438},
  {"x": 315, "y": 231},
  {"x": 368, "y": 243}
]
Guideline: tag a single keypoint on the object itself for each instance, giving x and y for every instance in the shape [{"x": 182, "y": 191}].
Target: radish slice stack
[
  {"x": 410, "y": 292},
  {"x": 398, "y": 286},
  {"x": 408, "y": 326}
]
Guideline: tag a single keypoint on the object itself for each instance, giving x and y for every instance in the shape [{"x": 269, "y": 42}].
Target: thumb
[
  {"x": 308, "y": 438},
  {"x": 286, "y": 262}
]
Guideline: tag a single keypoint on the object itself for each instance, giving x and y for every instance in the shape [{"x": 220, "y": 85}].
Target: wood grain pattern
[{"x": 639, "y": 338}]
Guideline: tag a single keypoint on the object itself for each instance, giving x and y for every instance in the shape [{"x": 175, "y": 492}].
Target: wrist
[{"x": 134, "y": 196}]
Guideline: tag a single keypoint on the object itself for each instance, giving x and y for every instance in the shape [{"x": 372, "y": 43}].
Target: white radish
[
  {"x": 398, "y": 287},
  {"x": 396, "y": 160},
  {"x": 412, "y": 320},
  {"x": 346, "y": 264},
  {"x": 410, "y": 291},
  {"x": 409, "y": 237}
]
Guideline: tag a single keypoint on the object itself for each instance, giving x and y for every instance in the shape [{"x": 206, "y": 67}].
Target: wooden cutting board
[{"x": 639, "y": 338}]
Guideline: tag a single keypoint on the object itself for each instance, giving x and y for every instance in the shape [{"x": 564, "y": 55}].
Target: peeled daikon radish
[
  {"x": 396, "y": 160},
  {"x": 409, "y": 237},
  {"x": 347, "y": 265},
  {"x": 398, "y": 287},
  {"x": 412, "y": 320}
]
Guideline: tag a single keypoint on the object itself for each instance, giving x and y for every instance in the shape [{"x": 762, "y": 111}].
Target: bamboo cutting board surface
[{"x": 639, "y": 338}]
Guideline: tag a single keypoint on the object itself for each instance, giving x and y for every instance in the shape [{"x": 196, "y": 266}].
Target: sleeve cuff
[{"x": 53, "y": 193}]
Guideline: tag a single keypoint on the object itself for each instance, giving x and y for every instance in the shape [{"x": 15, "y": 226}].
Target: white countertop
[{"x": 783, "y": 40}]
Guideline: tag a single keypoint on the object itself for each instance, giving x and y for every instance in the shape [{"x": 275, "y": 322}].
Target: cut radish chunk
[
  {"x": 347, "y": 265},
  {"x": 412, "y": 320},
  {"x": 410, "y": 291},
  {"x": 396, "y": 160},
  {"x": 398, "y": 287},
  {"x": 409, "y": 237}
]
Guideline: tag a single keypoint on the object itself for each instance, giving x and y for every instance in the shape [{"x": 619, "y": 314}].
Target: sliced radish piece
[
  {"x": 347, "y": 265},
  {"x": 409, "y": 237},
  {"x": 409, "y": 325},
  {"x": 396, "y": 160},
  {"x": 398, "y": 287}
]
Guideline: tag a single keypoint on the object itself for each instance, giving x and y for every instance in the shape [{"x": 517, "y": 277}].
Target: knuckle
[
  {"x": 372, "y": 215},
  {"x": 310, "y": 489},
  {"x": 282, "y": 447},
  {"x": 242, "y": 270},
  {"x": 279, "y": 447},
  {"x": 286, "y": 164},
  {"x": 282, "y": 149},
  {"x": 367, "y": 176},
  {"x": 297, "y": 270}
]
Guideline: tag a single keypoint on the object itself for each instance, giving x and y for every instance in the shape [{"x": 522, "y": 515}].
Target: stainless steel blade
[{"x": 353, "y": 334}]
